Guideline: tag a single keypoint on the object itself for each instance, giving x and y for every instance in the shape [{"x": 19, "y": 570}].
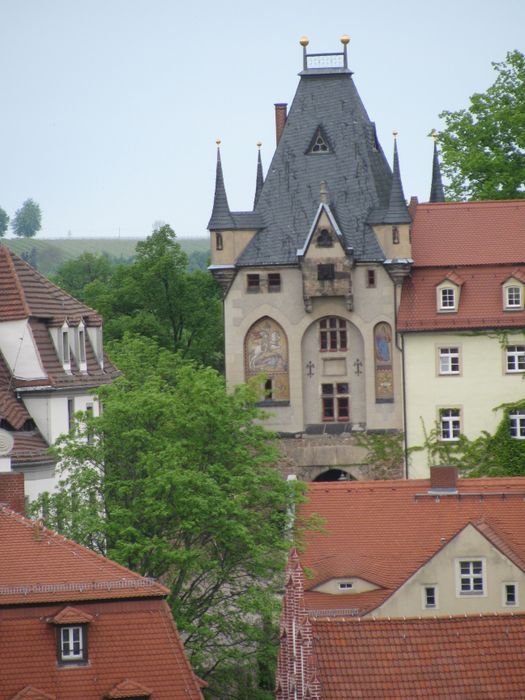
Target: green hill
[{"x": 47, "y": 254}]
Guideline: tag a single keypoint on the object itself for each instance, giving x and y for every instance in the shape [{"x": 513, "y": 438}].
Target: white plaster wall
[
  {"x": 39, "y": 479},
  {"x": 482, "y": 385},
  {"x": 19, "y": 349},
  {"x": 50, "y": 412},
  {"x": 441, "y": 571}
]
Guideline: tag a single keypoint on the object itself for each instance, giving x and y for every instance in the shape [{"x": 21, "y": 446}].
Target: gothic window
[
  {"x": 324, "y": 239},
  {"x": 266, "y": 354},
  {"x": 395, "y": 235},
  {"x": 383, "y": 363},
  {"x": 333, "y": 336},
  {"x": 218, "y": 241},
  {"x": 319, "y": 143}
]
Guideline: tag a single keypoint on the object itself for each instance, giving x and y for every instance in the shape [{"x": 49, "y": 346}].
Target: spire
[
  {"x": 436, "y": 188},
  {"x": 259, "y": 180},
  {"x": 397, "y": 212},
  {"x": 221, "y": 217}
]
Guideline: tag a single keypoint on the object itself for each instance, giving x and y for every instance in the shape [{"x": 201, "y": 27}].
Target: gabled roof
[
  {"x": 455, "y": 658},
  {"x": 25, "y": 293},
  {"x": 31, "y": 693},
  {"x": 469, "y": 233},
  {"x": 71, "y": 616},
  {"x": 129, "y": 689},
  {"x": 480, "y": 305},
  {"x": 367, "y": 521},
  {"x": 40, "y": 566},
  {"x": 356, "y": 171},
  {"x": 322, "y": 208}
]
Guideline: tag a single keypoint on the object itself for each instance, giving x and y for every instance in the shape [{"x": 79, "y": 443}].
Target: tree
[
  {"x": 4, "y": 222},
  {"x": 178, "y": 483},
  {"x": 27, "y": 220},
  {"x": 483, "y": 147},
  {"x": 75, "y": 275}
]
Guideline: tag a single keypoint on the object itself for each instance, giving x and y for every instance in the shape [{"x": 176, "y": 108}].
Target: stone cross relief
[{"x": 310, "y": 369}]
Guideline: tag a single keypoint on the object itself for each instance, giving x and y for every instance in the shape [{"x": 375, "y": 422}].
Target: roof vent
[{"x": 443, "y": 479}]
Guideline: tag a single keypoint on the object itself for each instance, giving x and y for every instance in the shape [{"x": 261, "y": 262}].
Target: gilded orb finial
[
  {"x": 345, "y": 39},
  {"x": 394, "y": 134},
  {"x": 304, "y": 41},
  {"x": 259, "y": 144},
  {"x": 218, "y": 142},
  {"x": 434, "y": 134}
]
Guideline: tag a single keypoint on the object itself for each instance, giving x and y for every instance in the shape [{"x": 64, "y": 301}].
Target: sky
[{"x": 110, "y": 109}]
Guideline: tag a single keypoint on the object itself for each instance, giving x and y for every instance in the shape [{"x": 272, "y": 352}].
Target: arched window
[{"x": 266, "y": 353}]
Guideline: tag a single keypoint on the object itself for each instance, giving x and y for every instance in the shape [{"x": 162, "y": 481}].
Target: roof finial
[
  {"x": 345, "y": 40},
  {"x": 397, "y": 212},
  {"x": 323, "y": 192},
  {"x": 259, "y": 180},
  {"x": 437, "y": 193},
  {"x": 221, "y": 217},
  {"x": 304, "y": 43}
]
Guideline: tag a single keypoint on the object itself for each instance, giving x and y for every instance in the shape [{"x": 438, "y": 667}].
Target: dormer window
[
  {"x": 447, "y": 298},
  {"x": 324, "y": 239},
  {"x": 64, "y": 347},
  {"x": 81, "y": 349},
  {"x": 319, "y": 143},
  {"x": 72, "y": 646},
  {"x": 513, "y": 297}
]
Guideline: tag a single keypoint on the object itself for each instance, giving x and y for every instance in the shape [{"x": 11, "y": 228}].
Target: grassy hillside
[{"x": 47, "y": 254}]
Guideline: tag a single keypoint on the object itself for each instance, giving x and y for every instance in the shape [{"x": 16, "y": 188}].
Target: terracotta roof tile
[
  {"x": 364, "y": 522},
  {"x": 469, "y": 233},
  {"x": 30, "y": 448},
  {"x": 128, "y": 689},
  {"x": 31, "y": 693},
  {"x": 70, "y": 615},
  {"x": 455, "y": 658}
]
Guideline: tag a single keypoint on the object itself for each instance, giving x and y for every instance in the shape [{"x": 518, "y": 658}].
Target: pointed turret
[
  {"x": 397, "y": 212},
  {"x": 437, "y": 193},
  {"x": 259, "y": 181},
  {"x": 221, "y": 217}
]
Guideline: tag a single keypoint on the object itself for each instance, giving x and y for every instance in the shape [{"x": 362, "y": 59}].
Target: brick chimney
[
  {"x": 12, "y": 491},
  {"x": 280, "y": 120},
  {"x": 443, "y": 477}
]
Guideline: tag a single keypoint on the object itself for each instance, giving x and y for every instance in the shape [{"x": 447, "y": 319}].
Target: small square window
[
  {"x": 515, "y": 358},
  {"x": 448, "y": 360},
  {"x": 253, "y": 283},
  {"x": 370, "y": 278},
  {"x": 72, "y": 644},
  {"x": 471, "y": 577},
  {"x": 274, "y": 282},
  {"x": 513, "y": 297},
  {"x": 450, "y": 424},
  {"x": 326, "y": 272}
]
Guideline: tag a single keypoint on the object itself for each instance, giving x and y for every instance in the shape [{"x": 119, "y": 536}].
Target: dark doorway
[{"x": 334, "y": 475}]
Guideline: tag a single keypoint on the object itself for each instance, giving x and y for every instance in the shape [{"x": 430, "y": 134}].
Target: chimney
[
  {"x": 12, "y": 491},
  {"x": 280, "y": 120},
  {"x": 443, "y": 477}
]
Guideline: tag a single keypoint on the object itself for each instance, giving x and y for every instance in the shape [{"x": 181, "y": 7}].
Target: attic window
[
  {"x": 345, "y": 586},
  {"x": 324, "y": 239},
  {"x": 72, "y": 643},
  {"x": 319, "y": 143},
  {"x": 64, "y": 347}
]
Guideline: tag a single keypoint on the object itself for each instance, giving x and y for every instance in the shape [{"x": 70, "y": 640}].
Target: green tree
[
  {"x": 74, "y": 275},
  {"x": 178, "y": 483},
  {"x": 483, "y": 147},
  {"x": 4, "y": 222},
  {"x": 27, "y": 220}
]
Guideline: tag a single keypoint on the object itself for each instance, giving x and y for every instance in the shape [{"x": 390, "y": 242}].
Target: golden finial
[
  {"x": 345, "y": 39},
  {"x": 218, "y": 142},
  {"x": 259, "y": 144},
  {"x": 434, "y": 134},
  {"x": 394, "y": 134},
  {"x": 304, "y": 41}
]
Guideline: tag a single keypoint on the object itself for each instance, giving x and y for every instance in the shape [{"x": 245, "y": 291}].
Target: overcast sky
[{"x": 110, "y": 108}]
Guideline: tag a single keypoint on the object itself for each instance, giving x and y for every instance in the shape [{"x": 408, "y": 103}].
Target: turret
[
  {"x": 259, "y": 180},
  {"x": 436, "y": 188}
]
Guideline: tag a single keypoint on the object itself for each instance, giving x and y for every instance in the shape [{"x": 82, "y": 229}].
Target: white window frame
[
  {"x": 345, "y": 585},
  {"x": 65, "y": 347},
  {"x": 424, "y": 604},
  {"x": 81, "y": 347},
  {"x": 449, "y": 424},
  {"x": 447, "y": 298},
  {"x": 67, "y": 636},
  {"x": 504, "y": 597},
  {"x": 513, "y": 300},
  {"x": 517, "y": 424},
  {"x": 515, "y": 358},
  {"x": 471, "y": 576},
  {"x": 447, "y": 358}
]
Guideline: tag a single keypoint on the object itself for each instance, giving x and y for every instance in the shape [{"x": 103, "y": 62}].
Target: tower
[{"x": 311, "y": 274}]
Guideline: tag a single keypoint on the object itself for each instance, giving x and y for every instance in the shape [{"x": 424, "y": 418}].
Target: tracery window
[{"x": 333, "y": 335}]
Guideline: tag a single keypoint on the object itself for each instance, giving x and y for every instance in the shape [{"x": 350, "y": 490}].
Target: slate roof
[
  {"x": 455, "y": 658},
  {"x": 357, "y": 174},
  {"x": 365, "y": 521}
]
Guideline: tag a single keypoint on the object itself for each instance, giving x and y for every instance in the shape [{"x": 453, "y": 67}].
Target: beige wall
[
  {"x": 403, "y": 249},
  {"x": 482, "y": 385},
  {"x": 233, "y": 243},
  {"x": 442, "y": 572}
]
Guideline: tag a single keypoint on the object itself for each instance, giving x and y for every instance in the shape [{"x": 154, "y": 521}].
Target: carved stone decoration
[
  {"x": 384, "y": 377},
  {"x": 266, "y": 352}
]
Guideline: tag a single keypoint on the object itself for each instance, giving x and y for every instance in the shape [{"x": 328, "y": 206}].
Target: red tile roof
[
  {"x": 469, "y": 233},
  {"x": 130, "y": 643},
  {"x": 30, "y": 693},
  {"x": 365, "y": 521},
  {"x": 26, "y": 293},
  {"x": 455, "y": 658},
  {"x": 39, "y": 566},
  {"x": 128, "y": 689},
  {"x": 480, "y": 301}
]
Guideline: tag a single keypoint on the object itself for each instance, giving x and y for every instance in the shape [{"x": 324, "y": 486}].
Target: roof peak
[
  {"x": 221, "y": 215},
  {"x": 325, "y": 63},
  {"x": 397, "y": 212},
  {"x": 437, "y": 193}
]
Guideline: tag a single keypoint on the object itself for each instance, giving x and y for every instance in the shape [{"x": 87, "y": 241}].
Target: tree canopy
[
  {"x": 177, "y": 482},
  {"x": 4, "y": 222},
  {"x": 483, "y": 146},
  {"x": 75, "y": 275},
  {"x": 27, "y": 220}
]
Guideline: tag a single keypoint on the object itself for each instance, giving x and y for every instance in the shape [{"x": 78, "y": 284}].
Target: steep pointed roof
[
  {"x": 355, "y": 169},
  {"x": 397, "y": 207},
  {"x": 436, "y": 188},
  {"x": 259, "y": 180},
  {"x": 221, "y": 217}
]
